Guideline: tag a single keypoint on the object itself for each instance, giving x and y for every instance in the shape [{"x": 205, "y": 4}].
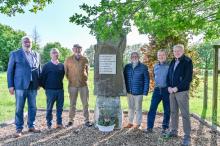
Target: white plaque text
[{"x": 107, "y": 64}]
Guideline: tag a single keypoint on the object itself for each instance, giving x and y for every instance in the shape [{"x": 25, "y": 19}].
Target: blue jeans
[
  {"x": 52, "y": 97},
  {"x": 21, "y": 96},
  {"x": 158, "y": 95}
]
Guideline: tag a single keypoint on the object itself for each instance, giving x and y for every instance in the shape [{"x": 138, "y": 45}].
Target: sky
[{"x": 53, "y": 25}]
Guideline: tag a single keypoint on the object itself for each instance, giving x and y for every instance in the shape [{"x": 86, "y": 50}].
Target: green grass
[{"x": 7, "y": 102}]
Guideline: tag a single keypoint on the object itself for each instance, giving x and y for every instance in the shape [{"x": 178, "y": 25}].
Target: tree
[
  {"x": 89, "y": 53},
  {"x": 205, "y": 52},
  {"x": 162, "y": 18},
  {"x": 10, "y": 7},
  {"x": 64, "y": 52},
  {"x": 166, "y": 21},
  {"x": 36, "y": 39},
  {"x": 10, "y": 40}
]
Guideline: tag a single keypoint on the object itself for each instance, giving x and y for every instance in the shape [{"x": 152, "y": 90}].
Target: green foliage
[
  {"x": 11, "y": 7},
  {"x": 129, "y": 50},
  {"x": 205, "y": 52},
  {"x": 64, "y": 52},
  {"x": 89, "y": 53},
  {"x": 107, "y": 117},
  {"x": 10, "y": 40},
  {"x": 160, "y": 18},
  {"x": 110, "y": 19},
  {"x": 165, "y": 18}
]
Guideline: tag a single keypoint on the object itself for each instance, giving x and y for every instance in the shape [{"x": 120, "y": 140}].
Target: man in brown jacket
[{"x": 76, "y": 69}]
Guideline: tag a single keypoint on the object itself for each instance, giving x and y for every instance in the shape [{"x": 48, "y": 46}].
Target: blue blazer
[
  {"x": 19, "y": 72},
  {"x": 137, "y": 79}
]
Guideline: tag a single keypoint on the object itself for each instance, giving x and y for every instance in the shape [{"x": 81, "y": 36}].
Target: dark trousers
[
  {"x": 52, "y": 97},
  {"x": 158, "y": 95}
]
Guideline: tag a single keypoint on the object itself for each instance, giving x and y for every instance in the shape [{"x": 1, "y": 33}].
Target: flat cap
[{"x": 77, "y": 46}]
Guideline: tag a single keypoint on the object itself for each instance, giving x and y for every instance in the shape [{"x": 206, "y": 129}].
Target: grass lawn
[{"x": 7, "y": 102}]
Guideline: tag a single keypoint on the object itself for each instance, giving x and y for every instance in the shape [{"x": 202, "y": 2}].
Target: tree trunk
[
  {"x": 205, "y": 98},
  {"x": 109, "y": 80}
]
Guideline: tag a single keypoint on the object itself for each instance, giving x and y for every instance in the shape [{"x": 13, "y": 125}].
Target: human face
[
  {"x": 27, "y": 44},
  {"x": 134, "y": 58},
  {"x": 54, "y": 55},
  {"x": 161, "y": 56},
  {"x": 178, "y": 52},
  {"x": 77, "y": 51}
]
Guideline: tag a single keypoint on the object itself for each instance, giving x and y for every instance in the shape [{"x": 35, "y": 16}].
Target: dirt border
[{"x": 208, "y": 124}]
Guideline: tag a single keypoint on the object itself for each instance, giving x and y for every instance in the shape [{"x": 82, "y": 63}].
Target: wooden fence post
[{"x": 215, "y": 84}]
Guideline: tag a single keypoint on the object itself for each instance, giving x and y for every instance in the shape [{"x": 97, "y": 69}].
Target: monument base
[{"x": 108, "y": 112}]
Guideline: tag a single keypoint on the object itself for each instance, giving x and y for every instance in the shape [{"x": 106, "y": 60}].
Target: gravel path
[{"x": 83, "y": 136}]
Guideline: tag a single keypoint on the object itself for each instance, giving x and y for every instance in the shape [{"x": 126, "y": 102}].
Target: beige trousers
[
  {"x": 84, "y": 95},
  {"x": 180, "y": 100},
  {"x": 135, "y": 106}
]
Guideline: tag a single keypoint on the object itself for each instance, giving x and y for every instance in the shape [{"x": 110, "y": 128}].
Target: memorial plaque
[
  {"x": 107, "y": 64},
  {"x": 108, "y": 68}
]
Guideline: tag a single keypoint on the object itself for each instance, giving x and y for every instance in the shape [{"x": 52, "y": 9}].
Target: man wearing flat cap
[{"x": 76, "y": 69}]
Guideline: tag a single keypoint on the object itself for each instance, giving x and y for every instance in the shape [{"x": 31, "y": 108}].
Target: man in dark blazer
[
  {"x": 23, "y": 80},
  {"x": 178, "y": 80}
]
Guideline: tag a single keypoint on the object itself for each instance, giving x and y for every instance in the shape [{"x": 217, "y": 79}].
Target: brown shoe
[
  {"x": 59, "y": 126},
  {"x": 129, "y": 126},
  {"x": 34, "y": 130},
  {"x": 18, "y": 134},
  {"x": 137, "y": 126}
]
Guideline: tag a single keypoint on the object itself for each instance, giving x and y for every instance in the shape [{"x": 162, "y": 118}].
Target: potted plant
[{"x": 106, "y": 120}]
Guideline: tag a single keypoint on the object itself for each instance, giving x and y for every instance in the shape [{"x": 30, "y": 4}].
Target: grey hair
[
  {"x": 162, "y": 50},
  {"x": 181, "y": 46},
  {"x": 54, "y": 50},
  {"x": 135, "y": 53},
  {"x": 25, "y": 37}
]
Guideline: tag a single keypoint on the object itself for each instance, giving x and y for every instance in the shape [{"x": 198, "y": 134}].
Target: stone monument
[{"x": 109, "y": 82}]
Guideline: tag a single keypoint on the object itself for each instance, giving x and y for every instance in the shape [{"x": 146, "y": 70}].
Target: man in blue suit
[{"x": 23, "y": 80}]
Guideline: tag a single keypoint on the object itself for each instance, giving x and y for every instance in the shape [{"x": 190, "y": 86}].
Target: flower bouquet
[{"x": 106, "y": 120}]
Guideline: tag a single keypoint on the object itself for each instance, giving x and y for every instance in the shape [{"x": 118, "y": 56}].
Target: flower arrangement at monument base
[{"x": 106, "y": 120}]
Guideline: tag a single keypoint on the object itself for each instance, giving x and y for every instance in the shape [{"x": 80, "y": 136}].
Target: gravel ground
[{"x": 83, "y": 136}]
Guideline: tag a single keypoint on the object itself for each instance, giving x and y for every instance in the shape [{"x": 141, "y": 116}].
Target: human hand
[
  {"x": 170, "y": 90},
  {"x": 11, "y": 90},
  {"x": 175, "y": 89}
]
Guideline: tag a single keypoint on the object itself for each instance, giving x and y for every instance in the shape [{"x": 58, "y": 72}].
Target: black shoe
[
  {"x": 69, "y": 124},
  {"x": 88, "y": 124},
  {"x": 164, "y": 133},
  {"x": 171, "y": 134},
  {"x": 186, "y": 141},
  {"x": 148, "y": 130}
]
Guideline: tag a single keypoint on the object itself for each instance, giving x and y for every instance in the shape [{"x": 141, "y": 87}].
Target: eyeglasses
[
  {"x": 55, "y": 53},
  {"x": 134, "y": 56}
]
